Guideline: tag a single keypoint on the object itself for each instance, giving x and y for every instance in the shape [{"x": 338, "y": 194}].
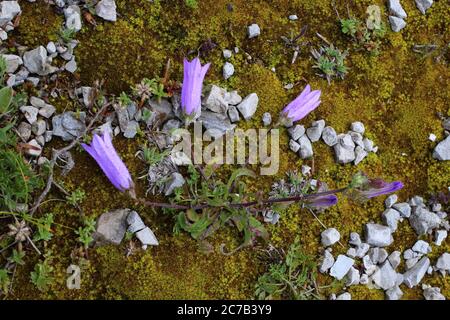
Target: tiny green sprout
[
  {"x": 17, "y": 257},
  {"x": 76, "y": 197},
  {"x": 326, "y": 65},
  {"x": 44, "y": 232},
  {"x": 124, "y": 99},
  {"x": 193, "y": 4},
  {"x": 146, "y": 114},
  {"x": 158, "y": 92},
  {"x": 85, "y": 233},
  {"x": 152, "y": 156},
  {"x": 67, "y": 34},
  {"x": 128, "y": 236},
  {"x": 359, "y": 180},
  {"x": 3, "y": 67},
  {"x": 349, "y": 26},
  {"x": 4, "y": 280},
  {"x": 41, "y": 276}
]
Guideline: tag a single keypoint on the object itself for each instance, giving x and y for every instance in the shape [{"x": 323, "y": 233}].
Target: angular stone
[
  {"x": 378, "y": 255},
  {"x": 351, "y": 252},
  {"x": 253, "y": 31},
  {"x": 344, "y": 296},
  {"x": 421, "y": 247},
  {"x": 216, "y": 124},
  {"x": 233, "y": 114},
  {"x": 40, "y": 140},
  {"x": 306, "y": 170},
  {"x": 423, "y": 5},
  {"x": 228, "y": 70},
  {"x": 232, "y": 98},
  {"x": 131, "y": 130},
  {"x": 135, "y": 222},
  {"x": 147, "y": 238},
  {"x": 176, "y": 180},
  {"x": 345, "y": 149},
  {"x": 38, "y": 127},
  {"x": 12, "y": 62},
  {"x": 24, "y": 131},
  {"x": 416, "y": 201},
  {"x": 71, "y": 66},
  {"x": 360, "y": 154},
  {"x": 368, "y": 144},
  {"x": 30, "y": 113},
  {"x": 341, "y": 266},
  {"x": 87, "y": 94},
  {"x": 111, "y": 227},
  {"x": 352, "y": 277},
  {"x": 8, "y": 10},
  {"x": 413, "y": 276},
  {"x": 377, "y": 235},
  {"x": 394, "y": 293},
  {"x": 305, "y": 150},
  {"x": 315, "y": 132},
  {"x": 327, "y": 262},
  {"x": 391, "y": 217},
  {"x": 391, "y": 200},
  {"x": 69, "y": 125},
  {"x": 296, "y": 132},
  {"x": 395, "y": 259},
  {"x": 51, "y": 47},
  {"x": 73, "y": 17},
  {"x": 294, "y": 146},
  {"x": 443, "y": 262},
  {"x": 329, "y": 136},
  {"x": 440, "y": 236},
  {"x": 330, "y": 236},
  {"x": 354, "y": 239},
  {"x": 404, "y": 209},
  {"x": 227, "y": 53},
  {"x": 423, "y": 221},
  {"x": 266, "y": 119},
  {"x": 396, "y": 9},
  {"x": 248, "y": 106},
  {"x": 35, "y": 148},
  {"x": 408, "y": 254},
  {"x": 48, "y": 136},
  {"x": 362, "y": 249},
  {"x": 47, "y": 111},
  {"x": 357, "y": 127},
  {"x": 36, "y": 61},
  {"x": 215, "y": 100},
  {"x": 442, "y": 150},
  {"x": 106, "y": 9},
  {"x": 364, "y": 279},
  {"x": 397, "y": 24},
  {"x": 433, "y": 293},
  {"x": 385, "y": 277}
]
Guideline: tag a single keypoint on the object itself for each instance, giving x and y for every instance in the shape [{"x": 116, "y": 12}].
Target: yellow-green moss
[{"x": 395, "y": 94}]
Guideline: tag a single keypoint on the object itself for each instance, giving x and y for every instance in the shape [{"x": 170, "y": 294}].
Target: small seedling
[
  {"x": 85, "y": 233},
  {"x": 76, "y": 197}
]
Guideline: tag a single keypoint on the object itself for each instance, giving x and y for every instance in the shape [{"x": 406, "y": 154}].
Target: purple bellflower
[
  {"x": 102, "y": 150},
  {"x": 299, "y": 108},
  {"x": 322, "y": 201},
  {"x": 378, "y": 187},
  {"x": 191, "y": 91}
]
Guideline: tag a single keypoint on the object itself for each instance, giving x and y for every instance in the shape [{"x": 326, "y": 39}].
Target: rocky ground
[{"x": 386, "y": 115}]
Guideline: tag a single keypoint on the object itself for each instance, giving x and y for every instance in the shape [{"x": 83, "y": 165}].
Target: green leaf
[
  {"x": 5, "y": 99},
  {"x": 239, "y": 173},
  {"x": 17, "y": 257}
]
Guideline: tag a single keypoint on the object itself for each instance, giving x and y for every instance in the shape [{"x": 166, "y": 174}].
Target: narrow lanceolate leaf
[{"x": 5, "y": 99}]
